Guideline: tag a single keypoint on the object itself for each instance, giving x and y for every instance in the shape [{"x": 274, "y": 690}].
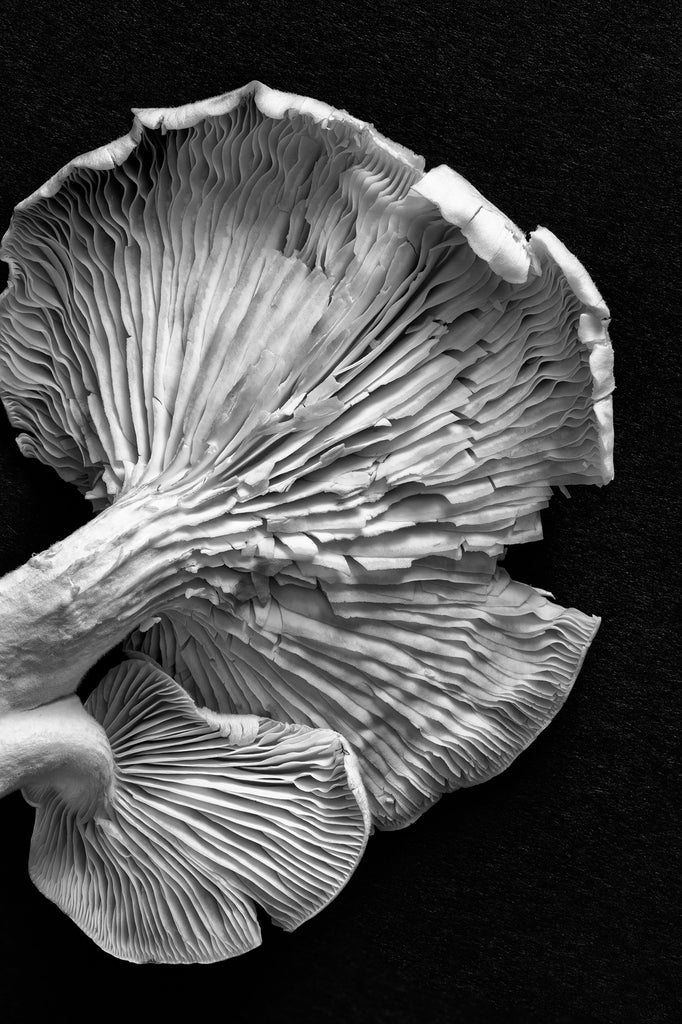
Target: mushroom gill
[
  {"x": 204, "y": 815},
  {"x": 313, "y": 393},
  {"x": 438, "y": 682}
]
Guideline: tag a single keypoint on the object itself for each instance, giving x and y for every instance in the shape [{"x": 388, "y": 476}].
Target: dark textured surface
[{"x": 551, "y": 894}]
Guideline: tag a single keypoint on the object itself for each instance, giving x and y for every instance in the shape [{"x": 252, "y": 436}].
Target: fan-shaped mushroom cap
[
  {"x": 207, "y": 815},
  {"x": 265, "y": 291},
  {"x": 338, "y": 372}
]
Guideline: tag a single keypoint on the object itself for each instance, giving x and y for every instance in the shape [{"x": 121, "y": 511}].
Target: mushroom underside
[
  {"x": 313, "y": 393},
  {"x": 208, "y": 815}
]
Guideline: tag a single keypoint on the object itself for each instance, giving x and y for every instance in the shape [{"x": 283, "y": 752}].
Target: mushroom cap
[
  {"x": 208, "y": 815},
  {"x": 265, "y": 291}
]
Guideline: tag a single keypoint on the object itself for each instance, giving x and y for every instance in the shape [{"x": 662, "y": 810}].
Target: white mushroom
[
  {"x": 313, "y": 392},
  {"x": 196, "y": 816}
]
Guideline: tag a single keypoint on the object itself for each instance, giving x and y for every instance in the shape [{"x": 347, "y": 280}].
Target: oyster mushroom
[
  {"x": 313, "y": 393},
  {"x": 193, "y": 817}
]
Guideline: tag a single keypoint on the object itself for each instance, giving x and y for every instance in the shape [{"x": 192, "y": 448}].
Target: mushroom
[
  {"x": 313, "y": 393},
  {"x": 196, "y": 817}
]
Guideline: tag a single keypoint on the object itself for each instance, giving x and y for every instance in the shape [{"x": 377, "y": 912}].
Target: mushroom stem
[
  {"x": 59, "y": 746},
  {"x": 69, "y": 605}
]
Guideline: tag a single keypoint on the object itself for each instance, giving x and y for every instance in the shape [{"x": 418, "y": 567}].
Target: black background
[{"x": 550, "y": 894}]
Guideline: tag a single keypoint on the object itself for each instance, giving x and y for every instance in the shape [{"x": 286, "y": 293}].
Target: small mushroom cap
[{"x": 209, "y": 815}]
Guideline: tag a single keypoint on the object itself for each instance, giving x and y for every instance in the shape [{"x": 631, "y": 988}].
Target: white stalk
[
  {"x": 59, "y": 746},
  {"x": 70, "y": 604}
]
